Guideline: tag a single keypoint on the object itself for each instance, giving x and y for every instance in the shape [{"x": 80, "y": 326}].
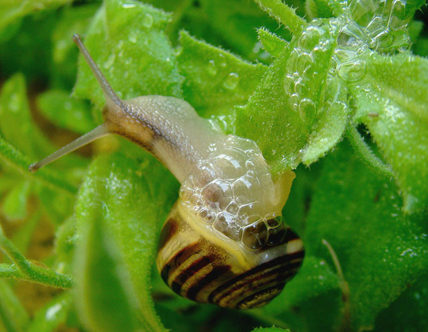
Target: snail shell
[{"x": 224, "y": 241}]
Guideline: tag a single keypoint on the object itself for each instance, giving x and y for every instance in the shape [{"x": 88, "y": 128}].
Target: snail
[{"x": 224, "y": 242}]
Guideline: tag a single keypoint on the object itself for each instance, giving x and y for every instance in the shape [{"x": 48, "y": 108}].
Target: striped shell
[
  {"x": 224, "y": 241},
  {"x": 201, "y": 266}
]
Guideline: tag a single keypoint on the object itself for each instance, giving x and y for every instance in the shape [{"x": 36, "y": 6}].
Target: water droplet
[
  {"x": 222, "y": 60},
  {"x": 307, "y": 110},
  {"x": 109, "y": 62},
  {"x": 231, "y": 81},
  {"x": 304, "y": 63},
  {"x": 212, "y": 69},
  {"x": 376, "y": 26},
  {"x": 309, "y": 39},
  {"x": 301, "y": 87},
  {"x": 288, "y": 84},
  {"x": 128, "y": 5},
  {"x": 348, "y": 34},
  {"x": 344, "y": 55},
  {"x": 177, "y": 51},
  {"x": 147, "y": 20},
  {"x": 52, "y": 312},
  {"x": 291, "y": 62},
  {"x": 294, "y": 101},
  {"x": 133, "y": 37},
  {"x": 352, "y": 71},
  {"x": 382, "y": 40}
]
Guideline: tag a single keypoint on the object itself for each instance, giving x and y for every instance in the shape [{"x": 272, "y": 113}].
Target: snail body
[{"x": 224, "y": 241}]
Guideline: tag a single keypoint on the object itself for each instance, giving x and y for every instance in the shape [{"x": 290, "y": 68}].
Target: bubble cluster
[
  {"x": 305, "y": 70},
  {"x": 233, "y": 193},
  {"x": 382, "y": 25}
]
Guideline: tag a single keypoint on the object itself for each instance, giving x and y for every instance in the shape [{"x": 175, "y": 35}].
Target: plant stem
[
  {"x": 37, "y": 275},
  {"x": 23, "y": 269},
  {"x": 346, "y": 319}
]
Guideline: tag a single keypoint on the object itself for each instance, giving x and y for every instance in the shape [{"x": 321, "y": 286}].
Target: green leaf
[
  {"x": 293, "y": 101},
  {"x": 16, "y": 124},
  {"x": 11, "y": 12},
  {"x": 215, "y": 80},
  {"x": 65, "y": 112},
  {"x": 29, "y": 51},
  {"x": 365, "y": 152},
  {"x": 132, "y": 51},
  {"x": 283, "y": 14},
  {"x": 72, "y": 20},
  {"x": 57, "y": 206},
  {"x": 21, "y": 162},
  {"x": 235, "y": 20},
  {"x": 272, "y": 43},
  {"x": 14, "y": 205},
  {"x": 13, "y": 317},
  {"x": 392, "y": 103},
  {"x": 18, "y": 128},
  {"x": 52, "y": 315},
  {"x": 408, "y": 311},
  {"x": 23, "y": 237},
  {"x": 104, "y": 295},
  {"x": 129, "y": 199},
  {"x": 65, "y": 240},
  {"x": 329, "y": 128},
  {"x": 380, "y": 249},
  {"x": 319, "y": 8}
]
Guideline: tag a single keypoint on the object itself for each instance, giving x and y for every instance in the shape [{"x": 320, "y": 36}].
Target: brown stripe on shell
[
  {"x": 261, "y": 298},
  {"x": 290, "y": 235},
  {"x": 178, "y": 259},
  {"x": 216, "y": 273},
  {"x": 277, "y": 269},
  {"x": 233, "y": 296},
  {"x": 185, "y": 274}
]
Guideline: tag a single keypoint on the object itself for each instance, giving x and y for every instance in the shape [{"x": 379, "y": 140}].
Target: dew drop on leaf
[
  {"x": 304, "y": 62},
  {"x": 288, "y": 84},
  {"x": 309, "y": 39},
  {"x": 133, "y": 37},
  {"x": 109, "y": 61},
  {"x": 231, "y": 81},
  {"x": 222, "y": 60},
  {"x": 128, "y": 5},
  {"x": 148, "y": 20},
  {"x": 352, "y": 71},
  {"x": 212, "y": 69},
  {"x": 307, "y": 110}
]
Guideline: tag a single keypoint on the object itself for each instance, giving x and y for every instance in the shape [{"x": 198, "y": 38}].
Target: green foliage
[
  {"x": 338, "y": 96},
  {"x": 215, "y": 81}
]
